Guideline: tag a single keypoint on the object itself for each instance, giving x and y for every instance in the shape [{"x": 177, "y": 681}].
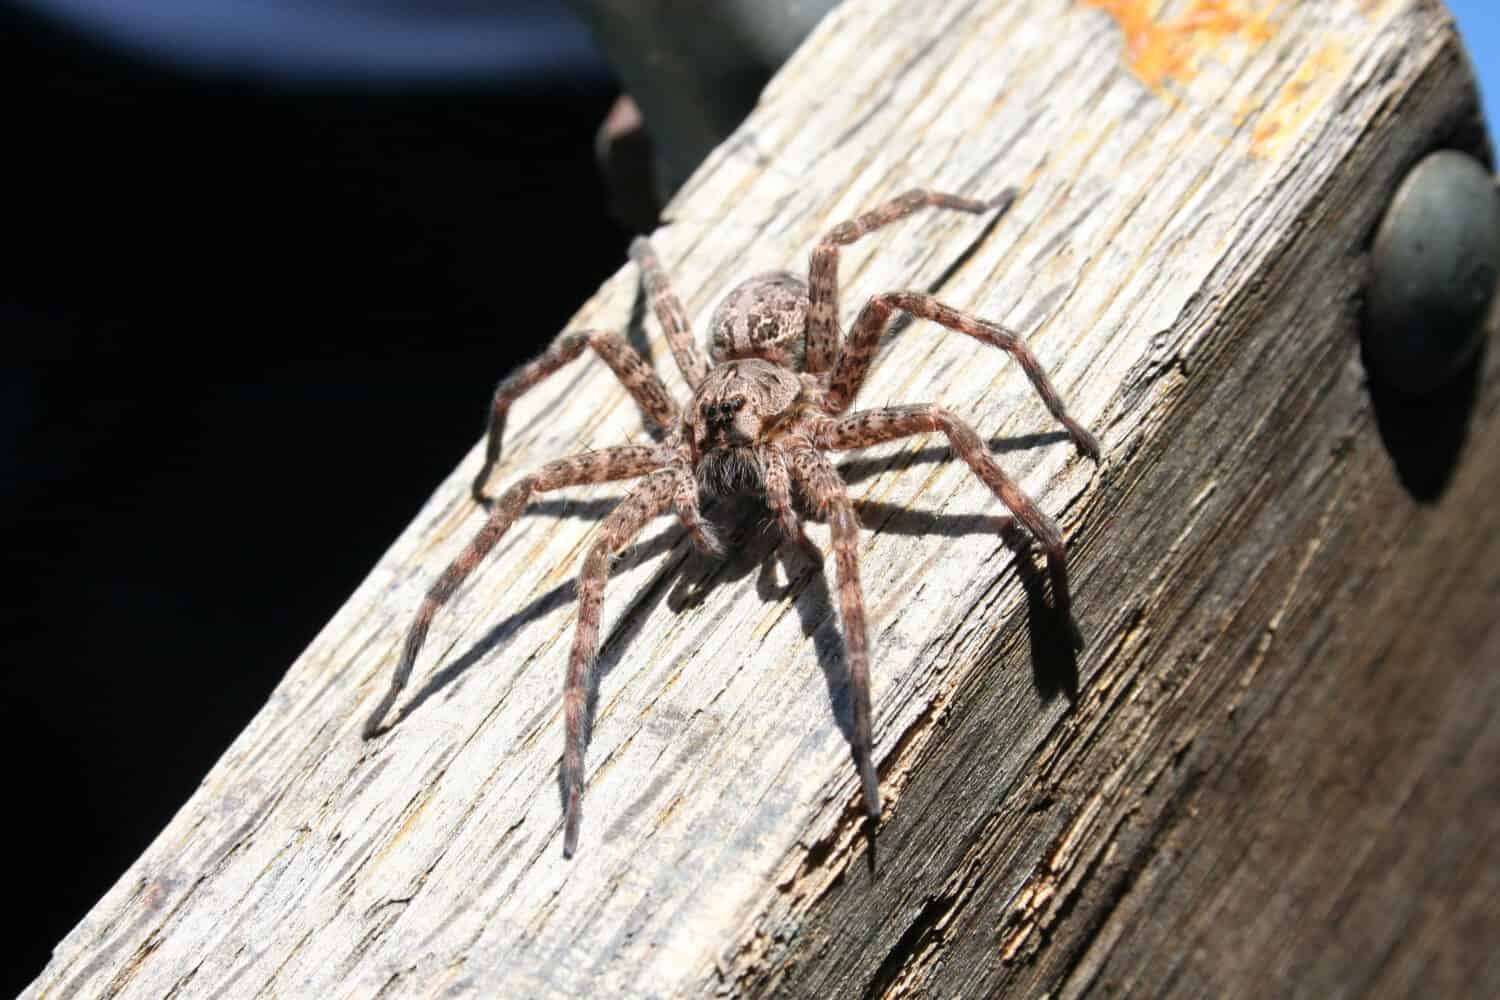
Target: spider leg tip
[
  {"x": 572, "y": 814},
  {"x": 871, "y": 790},
  {"x": 1085, "y": 442}
]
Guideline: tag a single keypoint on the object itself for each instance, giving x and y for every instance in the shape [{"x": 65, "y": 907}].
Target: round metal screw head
[{"x": 1433, "y": 273}]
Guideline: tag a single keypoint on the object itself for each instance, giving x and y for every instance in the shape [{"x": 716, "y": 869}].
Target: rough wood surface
[{"x": 1272, "y": 767}]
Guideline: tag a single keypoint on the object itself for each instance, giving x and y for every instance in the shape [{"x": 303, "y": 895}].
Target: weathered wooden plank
[{"x": 1223, "y": 791}]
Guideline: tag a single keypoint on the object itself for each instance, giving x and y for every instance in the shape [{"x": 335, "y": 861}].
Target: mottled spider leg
[
  {"x": 685, "y": 499},
  {"x": 823, "y": 272},
  {"x": 600, "y": 466},
  {"x": 631, "y": 369},
  {"x": 854, "y": 364},
  {"x": 669, "y": 312},
  {"x": 825, "y": 490},
  {"x": 649, "y": 498},
  {"x": 868, "y": 427},
  {"x": 777, "y": 481}
]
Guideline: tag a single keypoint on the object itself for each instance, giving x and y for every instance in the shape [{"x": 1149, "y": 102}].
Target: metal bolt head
[{"x": 1433, "y": 273}]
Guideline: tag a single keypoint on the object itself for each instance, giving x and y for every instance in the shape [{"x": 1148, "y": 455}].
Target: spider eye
[{"x": 737, "y": 403}]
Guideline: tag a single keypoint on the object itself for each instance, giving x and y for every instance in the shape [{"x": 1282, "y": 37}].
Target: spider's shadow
[
  {"x": 755, "y": 545},
  {"x": 564, "y": 594}
]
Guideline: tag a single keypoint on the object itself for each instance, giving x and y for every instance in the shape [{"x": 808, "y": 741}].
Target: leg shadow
[
  {"x": 1054, "y": 657},
  {"x": 559, "y": 596},
  {"x": 690, "y": 579},
  {"x": 857, "y": 470},
  {"x": 635, "y": 326}
]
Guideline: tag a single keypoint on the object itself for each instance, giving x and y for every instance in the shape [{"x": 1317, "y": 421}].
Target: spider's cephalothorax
[
  {"x": 774, "y": 400},
  {"x": 725, "y": 426}
]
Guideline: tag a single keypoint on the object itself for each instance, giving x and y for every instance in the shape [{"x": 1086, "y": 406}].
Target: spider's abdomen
[{"x": 763, "y": 317}]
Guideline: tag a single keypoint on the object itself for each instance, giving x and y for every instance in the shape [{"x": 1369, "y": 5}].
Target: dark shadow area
[
  {"x": 1054, "y": 655},
  {"x": 1424, "y": 434},
  {"x": 635, "y": 328},
  {"x": 247, "y": 330}
]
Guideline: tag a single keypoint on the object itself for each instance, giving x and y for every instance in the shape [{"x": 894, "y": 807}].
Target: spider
[{"x": 771, "y": 398}]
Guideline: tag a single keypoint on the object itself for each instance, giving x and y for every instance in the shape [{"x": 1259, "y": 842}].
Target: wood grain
[{"x": 1272, "y": 767}]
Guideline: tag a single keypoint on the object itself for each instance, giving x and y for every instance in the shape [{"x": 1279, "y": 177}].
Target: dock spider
[{"x": 771, "y": 398}]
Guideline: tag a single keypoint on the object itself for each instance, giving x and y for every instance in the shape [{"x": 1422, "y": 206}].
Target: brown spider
[{"x": 774, "y": 399}]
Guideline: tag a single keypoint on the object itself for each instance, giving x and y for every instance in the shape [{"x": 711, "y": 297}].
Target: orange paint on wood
[{"x": 1169, "y": 49}]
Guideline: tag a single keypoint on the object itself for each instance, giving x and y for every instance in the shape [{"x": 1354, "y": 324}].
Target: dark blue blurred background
[
  {"x": 262, "y": 266},
  {"x": 380, "y": 42}
]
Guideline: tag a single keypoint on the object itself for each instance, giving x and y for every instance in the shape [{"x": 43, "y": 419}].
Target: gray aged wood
[{"x": 1273, "y": 767}]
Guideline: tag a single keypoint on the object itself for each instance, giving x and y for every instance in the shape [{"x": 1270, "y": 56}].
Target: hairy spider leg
[
  {"x": 649, "y": 498},
  {"x": 854, "y": 364},
  {"x": 777, "y": 481},
  {"x": 825, "y": 490},
  {"x": 669, "y": 313},
  {"x": 601, "y": 466},
  {"x": 686, "y": 499},
  {"x": 823, "y": 271},
  {"x": 869, "y": 427},
  {"x": 629, "y": 367}
]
